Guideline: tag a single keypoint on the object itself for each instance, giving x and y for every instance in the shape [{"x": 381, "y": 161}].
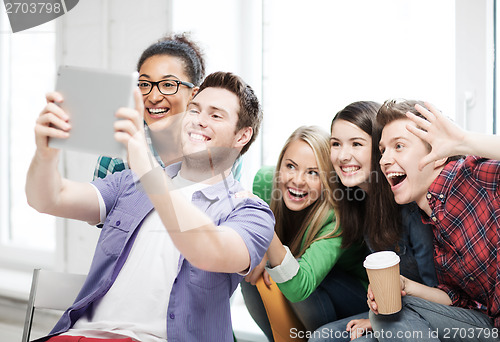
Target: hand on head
[{"x": 438, "y": 131}]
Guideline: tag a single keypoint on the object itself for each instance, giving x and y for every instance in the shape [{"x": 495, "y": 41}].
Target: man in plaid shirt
[{"x": 461, "y": 199}]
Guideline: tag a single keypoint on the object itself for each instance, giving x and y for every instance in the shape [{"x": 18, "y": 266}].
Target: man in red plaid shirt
[{"x": 461, "y": 199}]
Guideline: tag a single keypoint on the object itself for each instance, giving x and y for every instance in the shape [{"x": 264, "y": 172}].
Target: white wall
[
  {"x": 474, "y": 64},
  {"x": 230, "y": 33}
]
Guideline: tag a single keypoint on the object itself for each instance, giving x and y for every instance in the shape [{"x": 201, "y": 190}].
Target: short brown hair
[
  {"x": 395, "y": 109},
  {"x": 250, "y": 113}
]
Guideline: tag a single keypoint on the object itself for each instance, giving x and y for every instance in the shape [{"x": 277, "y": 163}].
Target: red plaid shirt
[{"x": 465, "y": 203}]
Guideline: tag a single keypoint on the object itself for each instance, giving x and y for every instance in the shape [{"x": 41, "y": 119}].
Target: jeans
[
  {"x": 336, "y": 331},
  {"x": 338, "y": 296},
  {"x": 421, "y": 320}
]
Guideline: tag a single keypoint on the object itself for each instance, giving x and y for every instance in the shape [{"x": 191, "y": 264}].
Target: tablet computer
[{"x": 91, "y": 99}]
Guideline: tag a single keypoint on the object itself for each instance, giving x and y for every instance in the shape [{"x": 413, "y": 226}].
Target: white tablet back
[{"x": 91, "y": 98}]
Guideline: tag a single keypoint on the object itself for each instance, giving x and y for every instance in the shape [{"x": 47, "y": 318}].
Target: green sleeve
[
  {"x": 263, "y": 183},
  {"x": 320, "y": 257},
  {"x": 314, "y": 265}
]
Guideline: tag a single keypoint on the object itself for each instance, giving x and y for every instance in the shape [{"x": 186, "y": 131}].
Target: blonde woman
[{"x": 321, "y": 280}]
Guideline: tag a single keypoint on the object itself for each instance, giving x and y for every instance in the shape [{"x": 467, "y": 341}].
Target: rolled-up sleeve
[{"x": 253, "y": 220}]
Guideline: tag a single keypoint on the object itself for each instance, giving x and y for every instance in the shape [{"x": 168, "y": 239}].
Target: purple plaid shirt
[{"x": 198, "y": 307}]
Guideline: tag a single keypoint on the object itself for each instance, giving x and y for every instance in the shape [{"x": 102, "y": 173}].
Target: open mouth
[
  {"x": 396, "y": 178},
  {"x": 158, "y": 111},
  {"x": 297, "y": 194}
]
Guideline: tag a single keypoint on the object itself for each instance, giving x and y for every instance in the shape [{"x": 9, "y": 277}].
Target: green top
[{"x": 320, "y": 257}]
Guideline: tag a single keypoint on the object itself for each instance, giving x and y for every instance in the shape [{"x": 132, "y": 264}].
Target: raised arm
[
  {"x": 447, "y": 139},
  {"x": 206, "y": 245},
  {"x": 203, "y": 243},
  {"x": 46, "y": 190}
]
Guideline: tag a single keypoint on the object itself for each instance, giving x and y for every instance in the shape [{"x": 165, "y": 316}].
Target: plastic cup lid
[{"x": 380, "y": 260}]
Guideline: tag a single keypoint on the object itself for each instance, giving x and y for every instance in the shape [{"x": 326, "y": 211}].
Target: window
[
  {"x": 230, "y": 33},
  {"x": 27, "y": 64},
  {"x": 319, "y": 57},
  {"x": 322, "y": 56}
]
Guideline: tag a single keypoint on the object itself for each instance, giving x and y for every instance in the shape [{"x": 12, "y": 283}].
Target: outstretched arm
[
  {"x": 204, "y": 244},
  {"x": 447, "y": 139},
  {"x": 46, "y": 190}
]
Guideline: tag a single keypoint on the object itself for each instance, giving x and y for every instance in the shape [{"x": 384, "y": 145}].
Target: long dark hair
[
  {"x": 383, "y": 229},
  {"x": 352, "y": 202},
  {"x": 383, "y": 226}
]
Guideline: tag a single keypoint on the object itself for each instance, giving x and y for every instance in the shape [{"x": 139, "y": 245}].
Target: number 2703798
[{"x": 34, "y": 7}]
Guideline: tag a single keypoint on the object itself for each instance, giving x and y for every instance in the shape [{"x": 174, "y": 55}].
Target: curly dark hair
[{"x": 181, "y": 46}]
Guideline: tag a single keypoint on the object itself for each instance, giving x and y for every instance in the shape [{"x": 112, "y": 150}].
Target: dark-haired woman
[
  {"x": 367, "y": 210},
  {"x": 170, "y": 72}
]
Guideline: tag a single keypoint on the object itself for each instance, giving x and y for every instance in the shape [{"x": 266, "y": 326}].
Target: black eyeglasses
[{"x": 166, "y": 87}]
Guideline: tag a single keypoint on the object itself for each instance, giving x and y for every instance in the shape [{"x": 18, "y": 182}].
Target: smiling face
[
  {"x": 351, "y": 154},
  {"x": 210, "y": 122},
  {"x": 160, "y": 108},
  {"x": 401, "y": 153},
  {"x": 299, "y": 178}
]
